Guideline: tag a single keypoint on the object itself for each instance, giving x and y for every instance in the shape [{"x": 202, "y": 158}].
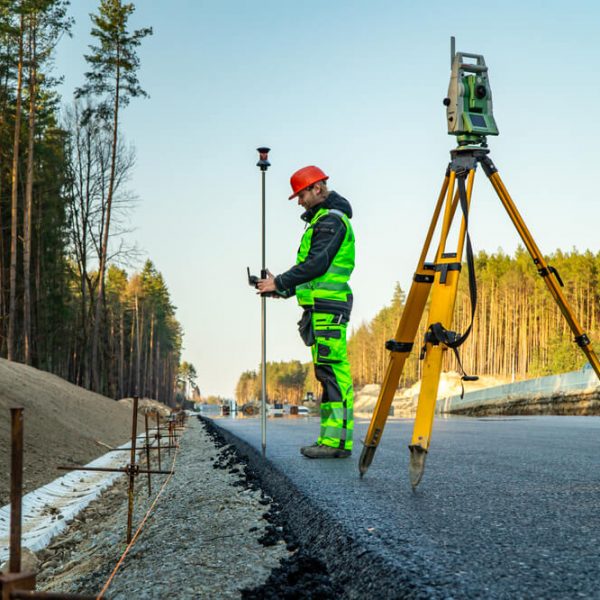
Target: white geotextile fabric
[{"x": 64, "y": 497}]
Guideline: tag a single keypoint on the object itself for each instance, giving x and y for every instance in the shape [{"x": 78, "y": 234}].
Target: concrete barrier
[{"x": 575, "y": 392}]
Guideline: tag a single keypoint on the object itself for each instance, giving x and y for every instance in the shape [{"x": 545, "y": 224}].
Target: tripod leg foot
[
  {"x": 366, "y": 458},
  {"x": 416, "y": 466}
]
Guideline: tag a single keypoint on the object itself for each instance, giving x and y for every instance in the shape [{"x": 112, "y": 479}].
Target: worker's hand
[{"x": 267, "y": 285}]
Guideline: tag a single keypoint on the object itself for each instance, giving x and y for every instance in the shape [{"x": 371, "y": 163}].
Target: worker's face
[{"x": 308, "y": 197}]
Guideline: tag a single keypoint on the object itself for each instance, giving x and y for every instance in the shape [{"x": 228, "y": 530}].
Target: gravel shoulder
[
  {"x": 214, "y": 533},
  {"x": 207, "y": 537}
]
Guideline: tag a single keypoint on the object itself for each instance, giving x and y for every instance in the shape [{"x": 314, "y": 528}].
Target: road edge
[{"x": 360, "y": 571}]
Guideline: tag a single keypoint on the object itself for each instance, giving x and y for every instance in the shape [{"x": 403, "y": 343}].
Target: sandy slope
[
  {"x": 405, "y": 399},
  {"x": 63, "y": 424}
]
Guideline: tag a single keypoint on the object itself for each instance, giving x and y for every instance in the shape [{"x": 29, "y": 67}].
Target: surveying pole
[{"x": 263, "y": 164}]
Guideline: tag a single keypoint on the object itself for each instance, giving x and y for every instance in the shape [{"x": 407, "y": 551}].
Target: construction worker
[{"x": 319, "y": 280}]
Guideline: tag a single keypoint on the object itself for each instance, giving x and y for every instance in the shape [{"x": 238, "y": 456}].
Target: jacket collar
[{"x": 308, "y": 215}]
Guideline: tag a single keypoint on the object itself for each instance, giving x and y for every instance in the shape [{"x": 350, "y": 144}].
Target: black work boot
[
  {"x": 321, "y": 451},
  {"x": 307, "y": 447}
]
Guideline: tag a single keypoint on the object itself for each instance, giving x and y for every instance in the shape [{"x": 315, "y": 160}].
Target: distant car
[
  {"x": 303, "y": 411},
  {"x": 277, "y": 409}
]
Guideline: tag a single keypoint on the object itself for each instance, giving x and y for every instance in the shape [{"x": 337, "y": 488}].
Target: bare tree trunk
[
  {"x": 113, "y": 384},
  {"x": 158, "y": 371},
  {"x": 122, "y": 355},
  {"x": 150, "y": 358},
  {"x": 137, "y": 346},
  {"x": 169, "y": 380},
  {"x": 2, "y": 290},
  {"x": 29, "y": 195},
  {"x": 131, "y": 374},
  {"x": 104, "y": 246},
  {"x": 142, "y": 356},
  {"x": 5, "y": 95},
  {"x": 12, "y": 308},
  {"x": 38, "y": 288}
]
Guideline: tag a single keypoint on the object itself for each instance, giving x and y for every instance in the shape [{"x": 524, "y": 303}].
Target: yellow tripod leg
[
  {"x": 550, "y": 276},
  {"x": 403, "y": 341},
  {"x": 443, "y": 297}
]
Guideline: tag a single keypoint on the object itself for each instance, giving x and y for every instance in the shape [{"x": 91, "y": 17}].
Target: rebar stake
[
  {"x": 131, "y": 468},
  {"x": 16, "y": 488},
  {"x": 148, "y": 454},
  {"x": 158, "y": 437}
]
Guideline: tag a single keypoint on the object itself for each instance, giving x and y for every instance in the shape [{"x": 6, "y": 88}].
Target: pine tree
[
  {"x": 12, "y": 306},
  {"x": 46, "y": 22}
]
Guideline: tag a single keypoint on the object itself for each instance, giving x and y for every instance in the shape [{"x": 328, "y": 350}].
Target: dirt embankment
[{"x": 63, "y": 423}]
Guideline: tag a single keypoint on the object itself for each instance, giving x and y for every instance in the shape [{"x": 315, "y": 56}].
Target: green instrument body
[{"x": 469, "y": 107}]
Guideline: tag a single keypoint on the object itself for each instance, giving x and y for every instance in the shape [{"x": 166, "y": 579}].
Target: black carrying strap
[
  {"x": 462, "y": 195},
  {"x": 437, "y": 333}
]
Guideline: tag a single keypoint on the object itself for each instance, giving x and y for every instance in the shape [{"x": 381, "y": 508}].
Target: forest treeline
[
  {"x": 66, "y": 303},
  {"x": 518, "y": 330},
  {"x": 286, "y": 382}
]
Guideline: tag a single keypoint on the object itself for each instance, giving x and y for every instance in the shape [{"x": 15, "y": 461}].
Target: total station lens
[{"x": 480, "y": 92}]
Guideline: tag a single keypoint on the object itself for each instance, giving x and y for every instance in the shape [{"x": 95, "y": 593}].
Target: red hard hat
[{"x": 306, "y": 177}]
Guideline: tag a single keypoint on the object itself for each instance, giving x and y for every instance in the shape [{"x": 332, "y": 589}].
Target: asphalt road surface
[{"x": 507, "y": 508}]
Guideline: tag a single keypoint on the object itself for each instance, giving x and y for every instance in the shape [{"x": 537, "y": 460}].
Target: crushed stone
[{"x": 201, "y": 541}]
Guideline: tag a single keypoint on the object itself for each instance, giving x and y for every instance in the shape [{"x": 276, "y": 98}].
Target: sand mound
[
  {"x": 147, "y": 405},
  {"x": 63, "y": 424},
  {"x": 405, "y": 399}
]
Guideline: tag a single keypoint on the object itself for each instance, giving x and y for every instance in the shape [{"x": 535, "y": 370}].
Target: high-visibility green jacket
[
  {"x": 333, "y": 284},
  {"x": 325, "y": 259}
]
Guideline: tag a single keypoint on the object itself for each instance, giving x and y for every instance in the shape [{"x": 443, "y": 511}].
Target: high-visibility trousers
[{"x": 332, "y": 370}]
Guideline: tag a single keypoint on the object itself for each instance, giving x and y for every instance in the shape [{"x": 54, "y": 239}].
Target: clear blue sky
[{"x": 355, "y": 87}]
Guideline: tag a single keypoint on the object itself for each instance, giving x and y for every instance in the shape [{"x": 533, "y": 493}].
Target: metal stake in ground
[
  {"x": 263, "y": 164},
  {"x": 170, "y": 425},
  {"x": 17, "y": 584},
  {"x": 148, "y": 454},
  {"x": 131, "y": 468},
  {"x": 158, "y": 437},
  {"x": 16, "y": 489}
]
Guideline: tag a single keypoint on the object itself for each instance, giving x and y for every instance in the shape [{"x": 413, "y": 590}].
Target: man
[{"x": 319, "y": 280}]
